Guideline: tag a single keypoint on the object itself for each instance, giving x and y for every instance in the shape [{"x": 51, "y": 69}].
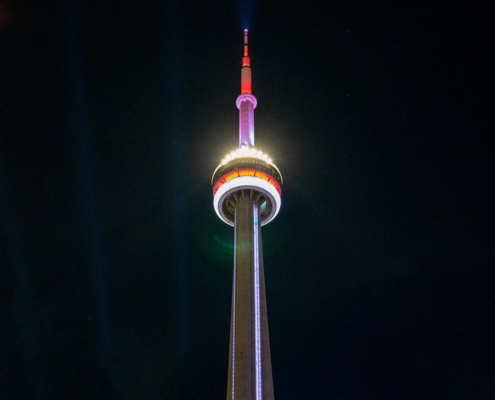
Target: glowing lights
[{"x": 245, "y": 151}]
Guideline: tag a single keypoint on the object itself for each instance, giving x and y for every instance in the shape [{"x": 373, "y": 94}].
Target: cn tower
[{"x": 247, "y": 195}]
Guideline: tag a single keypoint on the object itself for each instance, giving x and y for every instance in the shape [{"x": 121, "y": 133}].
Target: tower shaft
[
  {"x": 250, "y": 371},
  {"x": 246, "y": 194}
]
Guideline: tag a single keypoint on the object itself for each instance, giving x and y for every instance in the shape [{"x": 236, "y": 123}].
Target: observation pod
[
  {"x": 248, "y": 173},
  {"x": 246, "y": 195}
]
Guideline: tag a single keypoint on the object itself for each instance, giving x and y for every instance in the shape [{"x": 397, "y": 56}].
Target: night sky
[{"x": 115, "y": 272}]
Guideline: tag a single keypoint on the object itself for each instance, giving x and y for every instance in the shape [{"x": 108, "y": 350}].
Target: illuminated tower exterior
[{"x": 246, "y": 191}]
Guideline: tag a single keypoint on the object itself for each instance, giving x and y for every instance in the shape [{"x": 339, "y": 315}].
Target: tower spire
[{"x": 246, "y": 102}]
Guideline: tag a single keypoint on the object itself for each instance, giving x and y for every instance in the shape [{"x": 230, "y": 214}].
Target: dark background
[{"x": 115, "y": 271}]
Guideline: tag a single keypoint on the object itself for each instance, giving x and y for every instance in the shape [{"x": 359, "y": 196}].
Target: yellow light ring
[
  {"x": 247, "y": 153},
  {"x": 247, "y": 172}
]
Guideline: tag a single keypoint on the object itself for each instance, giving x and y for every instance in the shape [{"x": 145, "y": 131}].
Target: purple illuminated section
[
  {"x": 246, "y": 123},
  {"x": 257, "y": 322}
]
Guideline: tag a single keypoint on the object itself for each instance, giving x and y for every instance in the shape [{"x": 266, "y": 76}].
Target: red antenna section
[{"x": 246, "y": 82}]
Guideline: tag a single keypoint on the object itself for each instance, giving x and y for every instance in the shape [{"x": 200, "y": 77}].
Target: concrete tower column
[{"x": 250, "y": 371}]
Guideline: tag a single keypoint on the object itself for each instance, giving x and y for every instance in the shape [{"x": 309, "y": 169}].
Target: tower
[{"x": 246, "y": 195}]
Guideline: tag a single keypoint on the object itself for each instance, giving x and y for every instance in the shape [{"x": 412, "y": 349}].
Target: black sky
[{"x": 115, "y": 271}]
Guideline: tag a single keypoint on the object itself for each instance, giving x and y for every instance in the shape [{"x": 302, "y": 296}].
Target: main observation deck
[{"x": 247, "y": 172}]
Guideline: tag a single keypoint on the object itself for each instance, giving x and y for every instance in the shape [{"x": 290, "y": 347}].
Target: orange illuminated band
[
  {"x": 257, "y": 180},
  {"x": 247, "y": 172}
]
